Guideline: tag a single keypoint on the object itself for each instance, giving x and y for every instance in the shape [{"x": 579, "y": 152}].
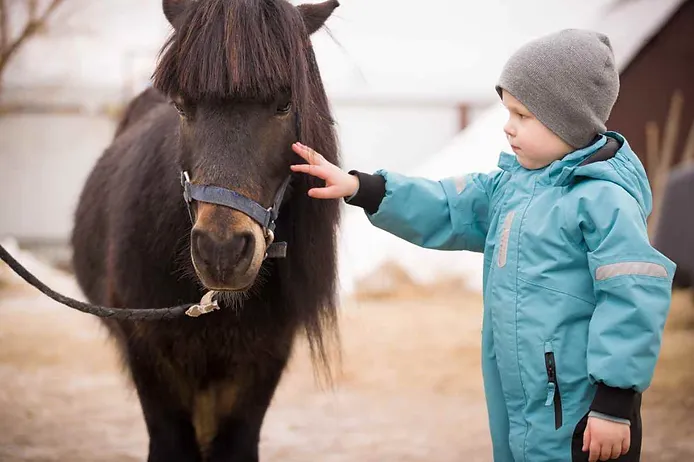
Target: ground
[{"x": 410, "y": 387}]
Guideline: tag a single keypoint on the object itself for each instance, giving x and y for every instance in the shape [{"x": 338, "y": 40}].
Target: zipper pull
[{"x": 551, "y": 390}]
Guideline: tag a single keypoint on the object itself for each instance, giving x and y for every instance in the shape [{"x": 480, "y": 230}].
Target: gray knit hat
[{"x": 568, "y": 80}]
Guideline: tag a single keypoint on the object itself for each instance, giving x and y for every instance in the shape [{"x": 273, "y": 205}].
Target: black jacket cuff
[
  {"x": 372, "y": 190},
  {"x": 616, "y": 402}
]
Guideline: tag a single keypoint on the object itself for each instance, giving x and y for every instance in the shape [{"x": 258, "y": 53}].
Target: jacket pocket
[{"x": 553, "y": 393}]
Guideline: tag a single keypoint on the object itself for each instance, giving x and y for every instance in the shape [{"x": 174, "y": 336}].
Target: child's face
[{"x": 535, "y": 145}]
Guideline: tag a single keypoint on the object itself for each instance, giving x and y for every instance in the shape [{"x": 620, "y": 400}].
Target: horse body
[{"x": 205, "y": 383}]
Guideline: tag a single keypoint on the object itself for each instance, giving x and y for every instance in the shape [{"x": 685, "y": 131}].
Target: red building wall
[{"x": 664, "y": 65}]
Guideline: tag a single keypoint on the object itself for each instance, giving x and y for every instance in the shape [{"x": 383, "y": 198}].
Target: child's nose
[{"x": 509, "y": 129}]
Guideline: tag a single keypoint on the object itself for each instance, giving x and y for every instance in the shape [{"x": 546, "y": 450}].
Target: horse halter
[
  {"x": 234, "y": 200},
  {"x": 237, "y": 201}
]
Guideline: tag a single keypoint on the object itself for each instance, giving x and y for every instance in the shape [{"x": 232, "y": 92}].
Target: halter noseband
[{"x": 226, "y": 197}]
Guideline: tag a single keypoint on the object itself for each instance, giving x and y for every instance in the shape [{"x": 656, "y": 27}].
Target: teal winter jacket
[{"x": 575, "y": 297}]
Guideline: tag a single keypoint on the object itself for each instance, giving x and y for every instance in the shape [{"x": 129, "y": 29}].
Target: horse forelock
[{"x": 235, "y": 49}]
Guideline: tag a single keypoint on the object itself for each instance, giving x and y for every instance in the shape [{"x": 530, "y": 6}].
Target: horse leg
[
  {"x": 168, "y": 419},
  {"x": 238, "y": 433},
  {"x": 171, "y": 434}
]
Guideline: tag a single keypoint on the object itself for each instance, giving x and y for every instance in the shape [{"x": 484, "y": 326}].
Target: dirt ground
[{"x": 410, "y": 387}]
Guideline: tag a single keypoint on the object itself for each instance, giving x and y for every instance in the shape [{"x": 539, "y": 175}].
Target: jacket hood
[{"x": 624, "y": 169}]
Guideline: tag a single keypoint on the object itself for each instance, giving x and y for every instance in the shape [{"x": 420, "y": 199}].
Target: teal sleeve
[
  {"x": 632, "y": 283},
  {"x": 450, "y": 214}
]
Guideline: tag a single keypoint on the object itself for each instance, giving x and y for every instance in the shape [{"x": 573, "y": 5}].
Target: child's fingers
[
  {"x": 312, "y": 170},
  {"x": 626, "y": 444},
  {"x": 616, "y": 451},
  {"x": 586, "y": 439},
  {"x": 331, "y": 192},
  {"x": 308, "y": 154},
  {"x": 594, "y": 451},
  {"x": 302, "y": 151},
  {"x": 606, "y": 452}
]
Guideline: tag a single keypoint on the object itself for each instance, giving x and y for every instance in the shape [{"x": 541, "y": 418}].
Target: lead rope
[{"x": 206, "y": 305}]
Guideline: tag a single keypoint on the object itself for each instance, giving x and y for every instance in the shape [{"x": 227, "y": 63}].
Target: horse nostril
[
  {"x": 203, "y": 245},
  {"x": 223, "y": 258},
  {"x": 240, "y": 249}
]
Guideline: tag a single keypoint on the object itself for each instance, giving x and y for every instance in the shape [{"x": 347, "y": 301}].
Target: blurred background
[{"x": 411, "y": 86}]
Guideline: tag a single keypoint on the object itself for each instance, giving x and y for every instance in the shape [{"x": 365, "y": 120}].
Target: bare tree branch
[
  {"x": 4, "y": 24},
  {"x": 32, "y": 26},
  {"x": 33, "y": 7}
]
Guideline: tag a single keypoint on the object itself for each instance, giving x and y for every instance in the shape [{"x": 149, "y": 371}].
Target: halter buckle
[
  {"x": 269, "y": 239},
  {"x": 185, "y": 182}
]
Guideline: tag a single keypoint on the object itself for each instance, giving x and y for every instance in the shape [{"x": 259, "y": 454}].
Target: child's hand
[
  {"x": 605, "y": 439},
  {"x": 337, "y": 182}
]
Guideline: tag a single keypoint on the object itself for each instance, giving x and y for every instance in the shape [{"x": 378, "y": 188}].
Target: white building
[{"x": 397, "y": 74}]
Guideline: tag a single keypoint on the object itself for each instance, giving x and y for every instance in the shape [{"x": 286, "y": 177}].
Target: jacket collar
[{"x": 560, "y": 171}]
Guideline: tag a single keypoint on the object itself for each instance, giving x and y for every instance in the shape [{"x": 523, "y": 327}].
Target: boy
[{"x": 575, "y": 296}]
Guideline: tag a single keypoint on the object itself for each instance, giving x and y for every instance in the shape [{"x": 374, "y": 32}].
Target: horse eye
[
  {"x": 179, "y": 108},
  {"x": 284, "y": 108}
]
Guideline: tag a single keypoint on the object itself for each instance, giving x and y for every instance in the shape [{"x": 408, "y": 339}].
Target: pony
[{"x": 236, "y": 83}]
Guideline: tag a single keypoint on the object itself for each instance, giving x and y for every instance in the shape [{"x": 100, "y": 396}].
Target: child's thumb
[{"x": 586, "y": 439}]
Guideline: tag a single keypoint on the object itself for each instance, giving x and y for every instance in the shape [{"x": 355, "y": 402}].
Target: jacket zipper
[{"x": 553, "y": 394}]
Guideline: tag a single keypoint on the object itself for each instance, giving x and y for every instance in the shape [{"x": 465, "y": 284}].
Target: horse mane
[{"x": 256, "y": 49}]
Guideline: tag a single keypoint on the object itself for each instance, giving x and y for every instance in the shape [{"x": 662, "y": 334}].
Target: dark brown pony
[{"x": 236, "y": 85}]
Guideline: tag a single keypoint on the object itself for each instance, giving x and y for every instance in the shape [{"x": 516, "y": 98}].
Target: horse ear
[
  {"x": 315, "y": 14},
  {"x": 173, "y": 9}
]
